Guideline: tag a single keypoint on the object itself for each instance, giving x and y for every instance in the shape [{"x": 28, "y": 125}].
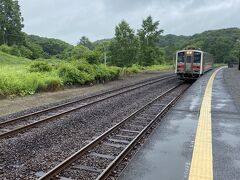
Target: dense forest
[{"x": 223, "y": 44}]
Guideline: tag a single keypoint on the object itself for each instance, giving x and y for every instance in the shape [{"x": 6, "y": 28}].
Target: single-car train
[{"x": 192, "y": 63}]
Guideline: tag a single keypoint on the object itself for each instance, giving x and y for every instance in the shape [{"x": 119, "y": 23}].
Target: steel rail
[
  {"x": 105, "y": 174},
  {"x": 74, "y": 157},
  {"x": 154, "y": 80},
  {"x": 44, "y": 120}
]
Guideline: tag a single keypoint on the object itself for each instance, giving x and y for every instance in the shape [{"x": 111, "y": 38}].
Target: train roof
[{"x": 184, "y": 50}]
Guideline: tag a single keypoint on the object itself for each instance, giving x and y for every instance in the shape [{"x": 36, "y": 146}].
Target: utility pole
[
  {"x": 4, "y": 38},
  {"x": 239, "y": 60},
  {"x": 105, "y": 57},
  {"x": 238, "y": 41},
  {"x": 105, "y": 54}
]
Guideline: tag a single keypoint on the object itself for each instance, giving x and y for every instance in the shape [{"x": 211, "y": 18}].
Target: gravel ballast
[{"x": 44, "y": 147}]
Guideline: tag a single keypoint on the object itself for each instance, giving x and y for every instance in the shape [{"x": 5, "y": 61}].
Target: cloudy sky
[{"x": 70, "y": 19}]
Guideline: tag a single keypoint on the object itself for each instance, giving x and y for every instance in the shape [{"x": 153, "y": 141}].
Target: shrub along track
[
  {"x": 42, "y": 148},
  {"x": 13, "y": 126}
]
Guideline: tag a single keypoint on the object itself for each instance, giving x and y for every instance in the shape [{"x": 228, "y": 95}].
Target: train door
[{"x": 188, "y": 62}]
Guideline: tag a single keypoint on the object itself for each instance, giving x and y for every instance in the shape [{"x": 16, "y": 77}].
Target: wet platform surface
[{"x": 167, "y": 154}]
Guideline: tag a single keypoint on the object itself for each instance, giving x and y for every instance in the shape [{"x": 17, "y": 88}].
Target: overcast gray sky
[{"x": 70, "y": 19}]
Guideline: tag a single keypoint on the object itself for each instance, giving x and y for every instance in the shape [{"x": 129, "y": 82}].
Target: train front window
[
  {"x": 189, "y": 59},
  {"x": 180, "y": 57},
  {"x": 197, "y": 57}
]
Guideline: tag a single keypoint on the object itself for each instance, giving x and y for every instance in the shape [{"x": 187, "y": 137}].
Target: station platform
[{"x": 198, "y": 139}]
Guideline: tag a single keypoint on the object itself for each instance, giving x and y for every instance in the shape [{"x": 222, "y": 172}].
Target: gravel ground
[
  {"x": 43, "y": 148},
  {"x": 133, "y": 124},
  {"x": 232, "y": 79},
  {"x": 17, "y": 104}
]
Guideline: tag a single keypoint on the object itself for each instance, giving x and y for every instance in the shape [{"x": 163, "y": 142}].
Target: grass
[
  {"x": 21, "y": 76},
  {"x": 16, "y": 78},
  {"x": 219, "y": 65}
]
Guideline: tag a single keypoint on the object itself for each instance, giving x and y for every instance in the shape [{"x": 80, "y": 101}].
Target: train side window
[
  {"x": 180, "y": 57},
  {"x": 197, "y": 57}
]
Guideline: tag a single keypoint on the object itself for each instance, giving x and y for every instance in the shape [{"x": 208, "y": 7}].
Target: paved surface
[
  {"x": 167, "y": 154},
  {"x": 226, "y": 132}
]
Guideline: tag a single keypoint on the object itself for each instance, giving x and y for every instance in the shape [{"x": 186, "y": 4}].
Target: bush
[
  {"x": 114, "y": 72},
  {"x": 6, "y": 49},
  {"x": 25, "y": 52},
  {"x": 133, "y": 69},
  {"x": 15, "y": 51},
  {"x": 103, "y": 73},
  {"x": 49, "y": 84},
  {"x": 24, "y": 83},
  {"x": 71, "y": 75},
  {"x": 83, "y": 65},
  {"x": 40, "y": 66}
]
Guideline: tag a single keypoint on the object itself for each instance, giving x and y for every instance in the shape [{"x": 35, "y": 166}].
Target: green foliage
[
  {"x": 84, "y": 41},
  {"x": 222, "y": 44},
  {"x": 40, "y": 66},
  {"x": 9, "y": 60},
  {"x": 102, "y": 48},
  {"x": 10, "y": 23},
  {"x": 123, "y": 49},
  {"x": 72, "y": 76},
  {"x": 6, "y": 49},
  {"x": 81, "y": 52},
  {"x": 37, "y": 51},
  {"x": 49, "y": 46},
  {"x": 103, "y": 73},
  {"x": 149, "y": 37},
  {"x": 127, "y": 49},
  {"x": 15, "y": 51},
  {"x": 135, "y": 68},
  {"x": 24, "y": 83},
  {"x": 21, "y": 76},
  {"x": 25, "y": 52}
]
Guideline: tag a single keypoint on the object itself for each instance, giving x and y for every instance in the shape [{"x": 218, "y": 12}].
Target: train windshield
[
  {"x": 197, "y": 57},
  {"x": 189, "y": 59},
  {"x": 180, "y": 57}
]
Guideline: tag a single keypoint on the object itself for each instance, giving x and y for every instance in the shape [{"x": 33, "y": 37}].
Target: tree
[
  {"x": 123, "y": 48},
  {"x": 10, "y": 23},
  {"x": 102, "y": 49},
  {"x": 50, "y": 46},
  {"x": 149, "y": 37},
  {"x": 84, "y": 41}
]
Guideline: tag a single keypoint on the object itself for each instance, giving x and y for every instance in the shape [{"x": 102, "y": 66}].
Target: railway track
[
  {"x": 99, "y": 158},
  {"x": 22, "y": 123}
]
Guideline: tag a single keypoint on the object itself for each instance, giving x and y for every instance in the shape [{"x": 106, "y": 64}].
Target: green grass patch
[
  {"x": 219, "y": 65},
  {"x": 137, "y": 68},
  {"x": 21, "y": 76}
]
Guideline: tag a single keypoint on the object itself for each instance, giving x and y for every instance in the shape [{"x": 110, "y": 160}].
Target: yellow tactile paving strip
[{"x": 202, "y": 161}]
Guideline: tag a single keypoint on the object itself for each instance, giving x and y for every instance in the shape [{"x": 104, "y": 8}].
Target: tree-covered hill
[
  {"x": 223, "y": 43},
  {"x": 50, "y": 46}
]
